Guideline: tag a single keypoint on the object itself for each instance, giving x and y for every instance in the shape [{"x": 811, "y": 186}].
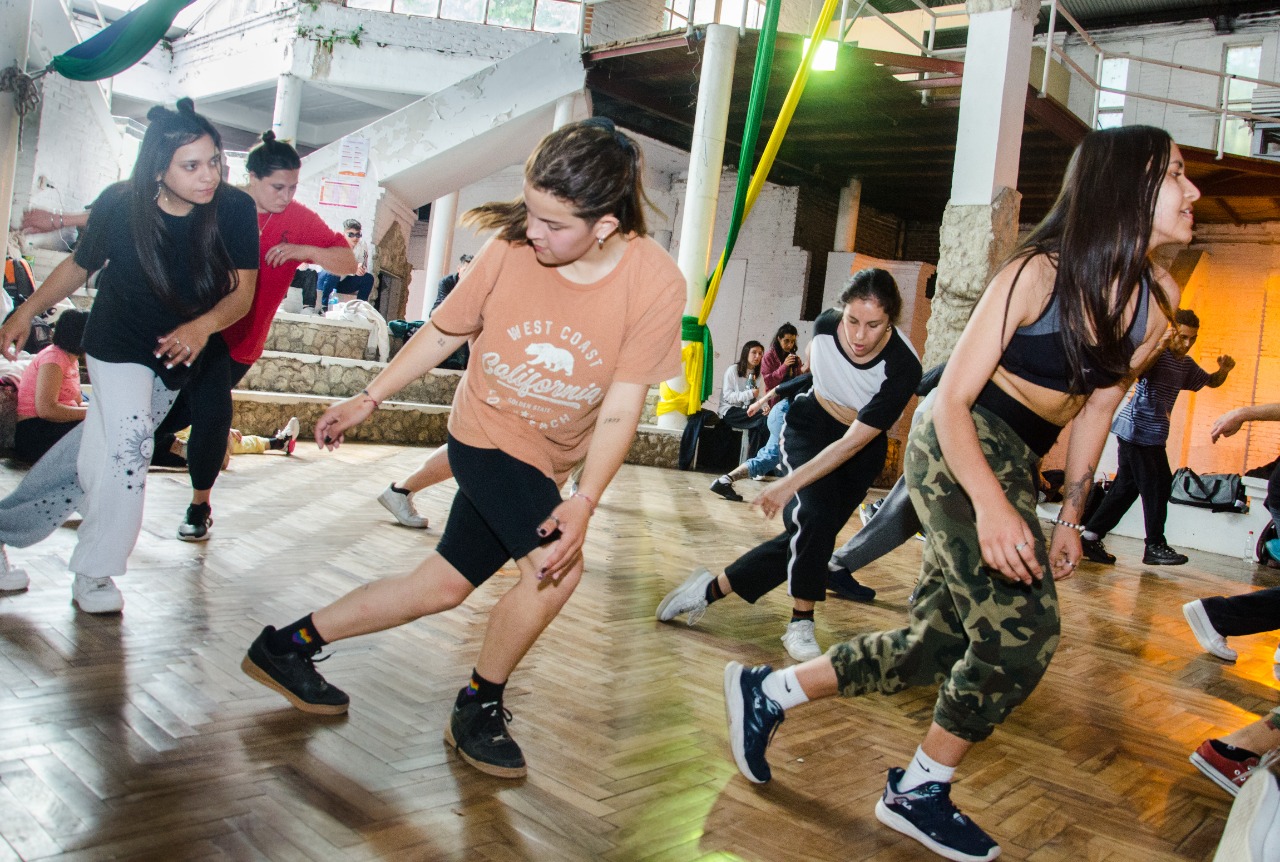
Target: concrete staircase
[{"x": 313, "y": 362}]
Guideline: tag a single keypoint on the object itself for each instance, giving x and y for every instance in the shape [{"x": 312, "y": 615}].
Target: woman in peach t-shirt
[
  {"x": 49, "y": 399},
  {"x": 573, "y": 312}
]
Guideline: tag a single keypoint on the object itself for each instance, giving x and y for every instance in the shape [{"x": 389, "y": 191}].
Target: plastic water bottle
[
  {"x": 332, "y": 304},
  {"x": 1250, "y": 547}
]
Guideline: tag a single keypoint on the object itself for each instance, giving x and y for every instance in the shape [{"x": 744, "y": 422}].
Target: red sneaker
[{"x": 1228, "y": 774}]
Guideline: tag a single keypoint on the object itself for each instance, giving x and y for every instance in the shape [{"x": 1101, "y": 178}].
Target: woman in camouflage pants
[{"x": 1056, "y": 337}]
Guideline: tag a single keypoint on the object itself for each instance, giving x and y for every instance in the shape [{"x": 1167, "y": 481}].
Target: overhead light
[{"x": 824, "y": 59}]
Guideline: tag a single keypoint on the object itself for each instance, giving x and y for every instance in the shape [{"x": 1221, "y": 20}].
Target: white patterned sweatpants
[{"x": 128, "y": 402}]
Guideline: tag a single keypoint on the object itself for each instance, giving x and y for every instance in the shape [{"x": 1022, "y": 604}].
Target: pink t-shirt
[
  {"x": 68, "y": 394},
  {"x": 546, "y": 350}
]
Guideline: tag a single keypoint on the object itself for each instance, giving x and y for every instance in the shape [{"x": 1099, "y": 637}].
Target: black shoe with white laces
[
  {"x": 294, "y": 675},
  {"x": 479, "y": 732},
  {"x": 195, "y": 527},
  {"x": 1161, "y": 554}
]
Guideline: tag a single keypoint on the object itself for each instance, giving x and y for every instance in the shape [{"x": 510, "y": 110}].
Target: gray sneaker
[
  {"x": 688, "y": 598},
  {"x": 401, "y": 505}
]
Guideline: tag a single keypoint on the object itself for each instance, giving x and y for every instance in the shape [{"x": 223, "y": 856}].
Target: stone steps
[
  {"x": 310, "y": 334},
  {"x": 339, "y": 377},
  {"x": 405, "y": 423}
]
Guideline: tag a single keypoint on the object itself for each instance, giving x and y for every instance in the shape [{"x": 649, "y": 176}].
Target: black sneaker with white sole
[
  {"x": 724, "y": 488},
  {"x": 753, "y": 719},
  {"x": 479, "y": 732},
  {"x": 195, "y": 527}
]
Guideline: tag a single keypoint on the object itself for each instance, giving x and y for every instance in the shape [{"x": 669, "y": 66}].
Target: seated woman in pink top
[{"x": 49, "y": 399}]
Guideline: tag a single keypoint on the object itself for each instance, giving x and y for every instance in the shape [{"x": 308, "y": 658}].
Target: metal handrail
[{"x": 1222, "y": 109}]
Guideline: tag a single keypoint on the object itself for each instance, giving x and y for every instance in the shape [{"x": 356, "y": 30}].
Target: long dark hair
[
  {"x": 877, "y": 285},
  {"x": 271, "y": 156},
  {"x": 213, "y": 273},
  {"x": 776, "y": 345},
  {"x": 744, "y": 363},
  {"x": 596, "y": 168},
  {"x": 1097, "y": 235}
]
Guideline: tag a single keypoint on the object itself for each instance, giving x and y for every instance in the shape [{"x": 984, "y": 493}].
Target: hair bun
[
  {"x": 186, "y": 106},
  {"x": 268, "y": 136},
  {"x": 158, "y": 112}
]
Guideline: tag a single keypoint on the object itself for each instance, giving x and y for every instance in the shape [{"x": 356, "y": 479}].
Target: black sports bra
[{"x": 1035, "y": 351}]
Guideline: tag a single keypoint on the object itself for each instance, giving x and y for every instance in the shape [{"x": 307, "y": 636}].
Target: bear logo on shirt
[{"x": 551, "y": 357}]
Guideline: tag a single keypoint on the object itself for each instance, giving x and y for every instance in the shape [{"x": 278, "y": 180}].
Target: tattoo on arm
[
  {"x": 440, "y": 342},
  {"x": 611, "y": 420},
  {"x": 1077, "y": 492}
]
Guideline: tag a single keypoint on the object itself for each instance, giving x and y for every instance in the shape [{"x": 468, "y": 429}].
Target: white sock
[
  {"x": 1089, "y": 536},
  {"x": 924, "y": 769},
  {"x": 784, "y": 687}
]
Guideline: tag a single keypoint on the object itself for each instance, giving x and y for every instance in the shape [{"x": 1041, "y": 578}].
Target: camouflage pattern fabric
[{"x": 983, "y": 639}]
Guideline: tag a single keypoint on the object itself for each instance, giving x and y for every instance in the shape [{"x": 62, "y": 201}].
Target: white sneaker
[
  {"x": 401, "y": 505},
  {"x": 11, "y": 579},
  {"x": 1213, "y": 643},
  {"x": 800, "y": 642},
  {"x": 289, "y": 434},
  {"x": 96, "y": 595},
  {"x": 688, "y": 598}
]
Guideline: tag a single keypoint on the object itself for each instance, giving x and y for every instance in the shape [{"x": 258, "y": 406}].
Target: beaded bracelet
[
  {"x": 369, "y": 395},
  {"x": 590, "y": 502},
  {"x": 1079, "y": 528}
]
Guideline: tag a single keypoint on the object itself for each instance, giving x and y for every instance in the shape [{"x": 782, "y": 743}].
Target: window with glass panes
[
  {"x": 681, "y": 13},
  {"x": 1240, "y": 60},
  {"x": 1115, "y": 74},
  {"x": 545, "y": 16}
]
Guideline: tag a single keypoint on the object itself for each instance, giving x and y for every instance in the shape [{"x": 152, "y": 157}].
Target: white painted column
[
  {"x": 706, "y": 162},
  {"x": 564, "y": 112},
  {"x": 980, "y": 224},
  {"x": 13, "y": 48},
  {"x": 284, "y": 120},
  {"x": 993, "y": 99},
  {"x": 847, "y": 216},
  {"x": 444, "y": 218}
]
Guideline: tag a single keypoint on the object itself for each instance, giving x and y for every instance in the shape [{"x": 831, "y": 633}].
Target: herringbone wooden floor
[{"x": 139, "y": 738}]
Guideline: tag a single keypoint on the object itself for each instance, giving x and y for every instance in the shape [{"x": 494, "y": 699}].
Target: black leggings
[
  {"x": 205, "y": 405},
  {"x": 798, "y": 556}
]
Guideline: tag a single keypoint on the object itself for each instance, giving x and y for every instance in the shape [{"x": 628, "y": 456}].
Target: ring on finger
[
  {"x": 557, "y": 520},
  {"x": 1018, "y": 547}
]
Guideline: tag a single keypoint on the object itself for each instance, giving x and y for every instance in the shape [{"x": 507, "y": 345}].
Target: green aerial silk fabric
[
  {"x": 746, "y": 156},
  {"x": 121, "y": 45}
]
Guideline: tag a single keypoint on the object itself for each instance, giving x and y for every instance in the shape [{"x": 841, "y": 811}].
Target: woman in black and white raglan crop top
[{"x": 833, "y": 447}]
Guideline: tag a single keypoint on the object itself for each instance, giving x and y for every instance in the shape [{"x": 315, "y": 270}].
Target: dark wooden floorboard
[{"x": 137, "y": 737}]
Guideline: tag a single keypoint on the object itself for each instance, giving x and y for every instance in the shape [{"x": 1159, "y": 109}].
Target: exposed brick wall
[
  {"x": 72, "y": 142},
  {"x": 920, "y": 242},
  {"x": 879, "y": 234},
  {"x": 815, "y": 232}
]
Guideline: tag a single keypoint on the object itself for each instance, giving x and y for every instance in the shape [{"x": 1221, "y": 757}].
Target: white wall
[
  {"x": 13, "y": 44},
  {"x": 1190, "y": 43}
]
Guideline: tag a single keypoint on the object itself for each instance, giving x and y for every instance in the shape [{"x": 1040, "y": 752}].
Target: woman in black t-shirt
[{"x": 178, "y": 254}]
